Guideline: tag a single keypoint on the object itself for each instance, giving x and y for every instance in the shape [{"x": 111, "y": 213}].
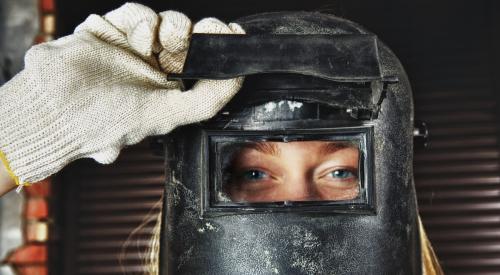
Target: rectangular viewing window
[{"x": 318, "y": 170}]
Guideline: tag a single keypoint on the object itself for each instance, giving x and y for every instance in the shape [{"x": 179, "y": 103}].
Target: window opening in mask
[{"x": 270, "y": 171}]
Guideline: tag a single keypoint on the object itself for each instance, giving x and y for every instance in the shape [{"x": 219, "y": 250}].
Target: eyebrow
[
  {"x": 326, "y": 148},
  {"x": 265, "y": 148},
  {"x": 333, "y": 146}
]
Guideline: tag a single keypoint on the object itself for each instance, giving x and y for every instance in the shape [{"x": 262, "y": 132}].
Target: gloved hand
[{"x": 90, "y": 94}]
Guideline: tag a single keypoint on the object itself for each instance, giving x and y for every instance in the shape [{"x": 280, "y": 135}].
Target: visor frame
[{"x": 212, "y": 184}]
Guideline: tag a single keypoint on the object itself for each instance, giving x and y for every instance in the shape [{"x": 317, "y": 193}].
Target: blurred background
[{"x": 78, "y": 221}]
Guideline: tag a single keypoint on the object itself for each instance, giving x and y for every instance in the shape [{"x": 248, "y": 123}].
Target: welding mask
[{"x": 308, "y": 169}]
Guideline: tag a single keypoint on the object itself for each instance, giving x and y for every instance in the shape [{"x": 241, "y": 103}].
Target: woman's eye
[
  {"x": 342, "y": 174},
  {"x": 253, "y": 175}
]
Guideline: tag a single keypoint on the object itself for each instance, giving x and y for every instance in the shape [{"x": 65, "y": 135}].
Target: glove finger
[
  {"x": 211, "y": 25},
  {"x": 106, "y": 156},
  {"x": 174, "y": 31},
  {"x": 139, "y": 24},
  {"x": 211, "y": 95},
  {"x": 172, "y": 59},
  {"x": 174, "y": 34},
  {"x": 103, "y": 30},
  {"x": 174, "y": 37},
  {"x": 167, "y": 109},
  {"x": 207, "y": 97},
  {"x": 236, "y": 28},
  {"x": 172, "y": 62}
]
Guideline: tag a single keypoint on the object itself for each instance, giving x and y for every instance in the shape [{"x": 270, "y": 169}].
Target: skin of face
[{"x": 294, "y": 171}]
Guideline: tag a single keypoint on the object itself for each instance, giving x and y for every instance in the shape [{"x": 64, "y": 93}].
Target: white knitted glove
[{"x": 89, "y": 94}]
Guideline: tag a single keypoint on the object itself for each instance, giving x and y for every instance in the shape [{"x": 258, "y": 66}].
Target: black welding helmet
[{"x": 308, "y": 169}]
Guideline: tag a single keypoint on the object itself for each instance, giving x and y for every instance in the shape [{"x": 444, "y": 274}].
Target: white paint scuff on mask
[{"x": 292, "y": 105}]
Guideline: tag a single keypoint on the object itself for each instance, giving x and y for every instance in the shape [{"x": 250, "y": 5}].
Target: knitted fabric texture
[{"x": 89, "y": 94}]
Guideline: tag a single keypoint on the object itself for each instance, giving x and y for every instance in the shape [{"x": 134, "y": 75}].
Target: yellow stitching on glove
[{"x": 5, "y": 162}]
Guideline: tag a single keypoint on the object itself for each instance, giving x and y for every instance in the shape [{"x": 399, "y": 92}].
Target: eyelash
[
  {"x": 350, "y": 173},
  {"x": 254, "y": 175}
]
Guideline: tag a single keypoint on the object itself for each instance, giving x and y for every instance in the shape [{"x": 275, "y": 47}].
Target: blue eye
[
  {"x": 341, "y": 174},
  {"x": 254, "y": 175}
]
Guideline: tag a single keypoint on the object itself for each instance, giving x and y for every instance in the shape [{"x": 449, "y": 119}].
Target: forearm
[{"x": 6, "y": 181}]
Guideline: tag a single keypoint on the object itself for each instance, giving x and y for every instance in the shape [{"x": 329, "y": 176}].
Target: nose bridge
[{"x": 299, "y": 186}]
